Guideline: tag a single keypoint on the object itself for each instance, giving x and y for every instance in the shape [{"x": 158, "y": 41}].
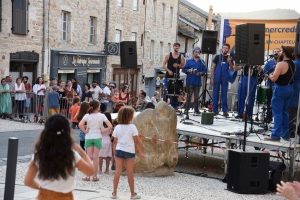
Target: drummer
[
  {"x": 173, "y": 62},
  {"x": 243, "y": 89},
  {"x": 194, "y": 68}
]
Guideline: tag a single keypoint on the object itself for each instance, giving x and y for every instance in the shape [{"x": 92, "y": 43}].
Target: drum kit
[{"x": 175, "y": 87}]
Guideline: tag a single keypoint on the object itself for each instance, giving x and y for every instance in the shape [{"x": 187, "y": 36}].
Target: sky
[{"x": 245, "y": 5}]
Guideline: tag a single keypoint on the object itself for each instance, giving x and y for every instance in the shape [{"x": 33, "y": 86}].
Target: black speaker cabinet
[
  {"x": 249, "y": 44},
  {"x": 128, "y": 54},
  {"x": 209, "y": 42},
  {"x": 297, "y": 42},
  {"x": 248, "y": 172}
]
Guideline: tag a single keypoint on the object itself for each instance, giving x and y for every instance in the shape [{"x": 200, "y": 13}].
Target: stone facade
[{"x": 141, "y": 22}]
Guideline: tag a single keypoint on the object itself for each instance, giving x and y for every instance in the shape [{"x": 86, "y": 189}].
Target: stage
[{"x": 227, "y": 133}]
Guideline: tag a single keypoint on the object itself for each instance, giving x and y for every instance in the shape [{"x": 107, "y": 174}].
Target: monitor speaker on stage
[
  {"x": 297, "y": 40},
  {"x": 128, "y": 54},
  {"x": 248, "y": 172},
  {"x": 249, "y": 44},
  {"x": 209, "y": 42}
]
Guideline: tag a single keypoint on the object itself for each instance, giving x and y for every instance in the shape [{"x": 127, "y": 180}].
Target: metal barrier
[{"x": 34, "y": 108}]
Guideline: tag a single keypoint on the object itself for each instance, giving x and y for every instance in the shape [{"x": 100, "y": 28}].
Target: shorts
[
  {"x": 53, "y": 111},
  {"x": 93, "y": 143},
  {"x": 74, "y": 124},
  {"x": 27, "y": 104},
  {"x": 124, "y": 154}
]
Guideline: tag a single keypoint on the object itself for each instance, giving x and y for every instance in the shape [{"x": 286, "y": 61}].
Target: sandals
[
  {"x": 95, "y": 179},
  {"x": 87, "y": 178},
  {"x": 113, "y": 196},
  {"x": 136, "y": 196}
]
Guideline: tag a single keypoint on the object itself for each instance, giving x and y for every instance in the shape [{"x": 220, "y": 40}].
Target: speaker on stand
[{"x": 128, "y": 54}]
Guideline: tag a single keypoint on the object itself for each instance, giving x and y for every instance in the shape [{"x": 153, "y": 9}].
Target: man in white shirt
[
  {"x": 96, "y": 91},
  {"x": 106, "y": 92}
]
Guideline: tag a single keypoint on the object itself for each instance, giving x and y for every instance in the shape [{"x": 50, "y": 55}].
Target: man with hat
[
  {"x": 194, "y": 68},
  {"x": 283, "y": 77},
  {"x": 172, "y": 63}
]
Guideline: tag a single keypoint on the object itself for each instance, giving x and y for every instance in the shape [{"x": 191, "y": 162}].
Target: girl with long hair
[
  {"x": 106, "y": 151},
  {"x": 54, "y": 161},
  {"x": 125, "y": 139},
  {"x": 93, "y": 137}
]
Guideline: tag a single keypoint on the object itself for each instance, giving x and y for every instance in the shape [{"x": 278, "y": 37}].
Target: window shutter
[{"x": 20, "y": 17}]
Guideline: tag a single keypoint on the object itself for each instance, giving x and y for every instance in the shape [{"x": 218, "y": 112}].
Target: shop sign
[{"x": 78, "y": 60}]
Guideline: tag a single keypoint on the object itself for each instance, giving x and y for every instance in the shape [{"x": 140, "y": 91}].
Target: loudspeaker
[
  {"x": 128, "y": 54},
  {"x": 209, "y": 42},
  {"x": 297, "y": 42},
  {"x": 248, "y": 172},
  {"x": 249, "y": 44}
]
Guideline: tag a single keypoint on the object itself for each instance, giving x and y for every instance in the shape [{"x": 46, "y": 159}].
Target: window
[
  {"x": 19, "y": 17},
  {"x": 154, "y": 10},
  {"x": 118, "y": 36},
  {"x": 120, "y": 3},
  {"x": 93, "y": 21},
  {"x": 163, "y": 13},
  {"x": 65, "y": 27},
  {"x": 169, "y": 47},
  {"x": 133, "y": 36},
  {"x": 152, "y": 50},
  {"x": 161, "y": 51},
  {"x": 171, "y": 16},
  {"x": 135, "y": 4}
]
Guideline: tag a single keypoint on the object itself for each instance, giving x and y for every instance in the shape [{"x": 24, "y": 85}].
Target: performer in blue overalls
[
  {"x": 243, "y": 89},
  {"x": 293, "y": 105},
  {"x": 219, "y": 77},
  {"x": 283, "y": 77},
  {"x": 194, "y": 68}
]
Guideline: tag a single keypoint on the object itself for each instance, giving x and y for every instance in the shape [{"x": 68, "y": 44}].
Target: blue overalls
[
  {"x": 220, "y": 79},
  {"x": 242, "y": 94}
]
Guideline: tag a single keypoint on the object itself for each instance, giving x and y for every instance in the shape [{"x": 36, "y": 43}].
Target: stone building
[
  {"x": 67, "y": 42},
  {"x": 153, "y": 25}
]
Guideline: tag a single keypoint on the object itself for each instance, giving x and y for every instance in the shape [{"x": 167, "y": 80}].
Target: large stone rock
[{"x": 161, "y": 157}]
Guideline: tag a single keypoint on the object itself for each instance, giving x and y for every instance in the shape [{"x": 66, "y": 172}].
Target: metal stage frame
[{"x": 223, "y": 134}]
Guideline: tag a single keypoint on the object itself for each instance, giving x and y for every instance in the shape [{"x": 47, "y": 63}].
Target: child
[
  {"x": 54, "y": 161},
  {"x": 73, "y": 110},
  {"x": 114, "y": 124},
  {"x": 106, "y": 151},
  {"x": 53, "y": 101},
  {"x": 93, "y": 137},
  {"x": 83, "y": 110},
  {"x": 125, "y": 137},
  {"x": 116, "y": 100}
]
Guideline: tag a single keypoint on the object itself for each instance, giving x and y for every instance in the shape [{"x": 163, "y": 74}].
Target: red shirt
[
  {"x": 28, "y": 87},
  {"x": 73, "y": 111}
]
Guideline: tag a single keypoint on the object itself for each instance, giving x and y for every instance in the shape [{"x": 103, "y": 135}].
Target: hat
[
  {"x": 104, "y": 83},
  {"x": 176, "y": 43},
  {"x": 288, "y": 49},
  {"x": 112, "y": 85},
  {"x": 196, "y": 49},
  {"x": 54, "y": 87}
]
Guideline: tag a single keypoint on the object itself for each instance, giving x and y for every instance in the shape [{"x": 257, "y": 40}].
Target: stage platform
[{"x": 227, "y": 133}]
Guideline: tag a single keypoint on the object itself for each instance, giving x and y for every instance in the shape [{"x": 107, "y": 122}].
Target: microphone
[{"x": 273, "y": 55}]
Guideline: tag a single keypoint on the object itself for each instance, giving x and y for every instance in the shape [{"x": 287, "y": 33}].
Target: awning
[
  {"x": 186, "y": 33},
  {"x": 66, "y": 71},
  {"x": 189, "y": 23}
]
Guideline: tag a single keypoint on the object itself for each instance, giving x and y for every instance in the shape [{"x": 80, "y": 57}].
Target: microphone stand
[{"x": 246, "y": 105}]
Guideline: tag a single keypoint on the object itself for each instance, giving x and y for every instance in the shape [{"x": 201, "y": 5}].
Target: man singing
[
  {"x": 283, "y": 77},
  {"x": 173, "y": 62},
  {"x": 194, "y": 68},
  {"x": 219, "y": 77}
]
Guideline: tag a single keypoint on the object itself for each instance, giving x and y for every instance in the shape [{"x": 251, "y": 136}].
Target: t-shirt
[
  {"x": 53, "y": 100},
  {"x": 97, "y": 90},
  {"x": 73, "y": 111},
  {"x": 94, "y": 122},
  {"x": 60, "y": 185},
  {"x": 106, "y": 91},
  {"x": 86, "y": 95},
  {"x": 125, "y": 133},
  {"x": 153, "y": 100}
]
